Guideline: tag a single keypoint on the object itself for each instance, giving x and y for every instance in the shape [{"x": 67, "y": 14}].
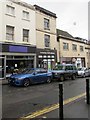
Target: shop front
[
  {"x": 46, "y": 58},
  {"x": 17, "y": 57},
  {"x": 79, "y": 62}
]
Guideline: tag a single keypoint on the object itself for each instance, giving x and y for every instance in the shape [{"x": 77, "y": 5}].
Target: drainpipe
[{"x": 59, "y": 48}]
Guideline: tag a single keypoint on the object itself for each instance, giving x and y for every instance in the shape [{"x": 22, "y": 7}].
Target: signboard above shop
[{"x": 47, "y": 53}]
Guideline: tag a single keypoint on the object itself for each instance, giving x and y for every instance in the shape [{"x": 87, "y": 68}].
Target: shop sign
[
  {"x": 13, "y": 48},
  {"x": 47, "y": 53}
]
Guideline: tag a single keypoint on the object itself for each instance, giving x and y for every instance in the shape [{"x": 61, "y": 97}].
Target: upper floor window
[
  {"x": 26, "y": 15},
  {"x": 25, "y": 35},
  {"x": 9, "y": 33},
  {"x": 74, "y": 47},
  {"x": 81, "y": 48},
  {"x": 47, "y": 40},
  {"x": 65, "y": 46},
  {"x": 46, "y": 24},
  {"x": 10, "y": 10}
]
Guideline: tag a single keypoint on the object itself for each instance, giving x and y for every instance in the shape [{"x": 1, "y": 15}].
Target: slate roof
[
  {"x": 63, "y": 33},
  {"x": 66, "y": 35},
  {"x": 45, "y": 11}
]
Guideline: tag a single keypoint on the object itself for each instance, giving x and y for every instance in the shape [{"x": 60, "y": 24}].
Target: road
[{"x": 21, "y": 101}]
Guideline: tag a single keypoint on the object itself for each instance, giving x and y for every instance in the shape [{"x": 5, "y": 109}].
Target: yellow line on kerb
[{"x": 52, "y": 107}]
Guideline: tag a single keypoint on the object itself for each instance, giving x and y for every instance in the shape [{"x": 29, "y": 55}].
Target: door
[{"x": 68, "y": 71}]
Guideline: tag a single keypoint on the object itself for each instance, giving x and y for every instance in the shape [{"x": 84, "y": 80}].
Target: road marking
[{"x": 52, "y": 107}]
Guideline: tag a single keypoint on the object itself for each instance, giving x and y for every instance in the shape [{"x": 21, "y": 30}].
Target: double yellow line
[{"x": 52, "y": 107}]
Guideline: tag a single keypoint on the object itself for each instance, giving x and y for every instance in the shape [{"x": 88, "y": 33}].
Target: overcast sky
[{"x": 72, "y": 15}]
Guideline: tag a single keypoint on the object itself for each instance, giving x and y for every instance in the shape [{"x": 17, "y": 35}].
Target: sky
[{"x": 72, "y": 15}]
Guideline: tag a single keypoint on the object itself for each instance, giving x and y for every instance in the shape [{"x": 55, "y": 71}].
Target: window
[
  {"x": 25, "y": 35},
  {"x": 47, "y": 40},
  {"x": 68, "y": 68},
  {"x": 81, "y": 48},
  {"x": 9, "y": 33},
  {"x": 10, "y": 10},
  {"x": 74, "y": 47},
  {"x": 25, "y": 15},
  {"x": 65, "y": 46},
  {"x": 74, "y": 68},
  {"x": 46, "y": 23}
]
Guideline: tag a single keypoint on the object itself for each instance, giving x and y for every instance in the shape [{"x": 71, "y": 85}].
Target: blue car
[{"x": 30, "y": 76}]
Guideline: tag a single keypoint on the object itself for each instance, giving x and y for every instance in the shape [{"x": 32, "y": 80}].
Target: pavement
[
  {"x": 75, "y": 109},
  {"x": 3, "y": 81}
]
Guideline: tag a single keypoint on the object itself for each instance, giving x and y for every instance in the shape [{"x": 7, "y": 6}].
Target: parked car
[
  {"x": 30, "y": 76},
  {"x": 83, "y": 72},
  {"x": 64, "y": 71}
]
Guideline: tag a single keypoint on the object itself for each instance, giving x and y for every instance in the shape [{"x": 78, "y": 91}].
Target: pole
[
  {"x": 87, "y": 90},
  {"x": 61, "y": 101},
  {"x": 5, "y": 67}
]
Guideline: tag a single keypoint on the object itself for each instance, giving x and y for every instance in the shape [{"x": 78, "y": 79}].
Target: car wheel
[
  {"x": 26, "y": 83},
  {"x": 61, "y": 78},
  {"x": 48, "y": 80},
  {"x": 73, "y": 77}
]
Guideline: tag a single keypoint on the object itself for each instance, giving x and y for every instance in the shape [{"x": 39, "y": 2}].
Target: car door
[
  {"x": 44, "y": 75},
  {"x": 38, "y": 76},
  {"x": 68, "y": 71},
  {"x": 86, "y": 72}
]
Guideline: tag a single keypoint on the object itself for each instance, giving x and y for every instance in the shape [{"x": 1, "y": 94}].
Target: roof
[
  {"x": 63, "y": 33},
  {"x": 45, "y": 11},
  {"x": 66, "y": 35},
  {"x": 19, "y": 2}
]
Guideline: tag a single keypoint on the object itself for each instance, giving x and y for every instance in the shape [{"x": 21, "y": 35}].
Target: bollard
[
  {"x": 61, "y": 101},
  {"x": 87, "y": 90}
]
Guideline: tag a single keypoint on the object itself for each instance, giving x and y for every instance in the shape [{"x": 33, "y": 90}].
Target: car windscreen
[
  {"x": 59, "y": 67},
  {"x": 30, "y": 71},
  {"x": 79, "y": 68}
]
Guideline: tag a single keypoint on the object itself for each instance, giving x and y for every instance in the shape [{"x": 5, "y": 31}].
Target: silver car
[{"x": 83, "y": 72}]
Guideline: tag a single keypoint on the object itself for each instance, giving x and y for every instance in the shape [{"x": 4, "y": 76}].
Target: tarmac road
[{"x": 19, "y": 101}]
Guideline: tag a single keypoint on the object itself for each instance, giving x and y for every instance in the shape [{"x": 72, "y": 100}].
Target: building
[
  {"x": 71, "y": 50},
  {"x": 18, "y": 35},
  {"x": 45, "y": 38},
  {"x": 87, "y": 47}
]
